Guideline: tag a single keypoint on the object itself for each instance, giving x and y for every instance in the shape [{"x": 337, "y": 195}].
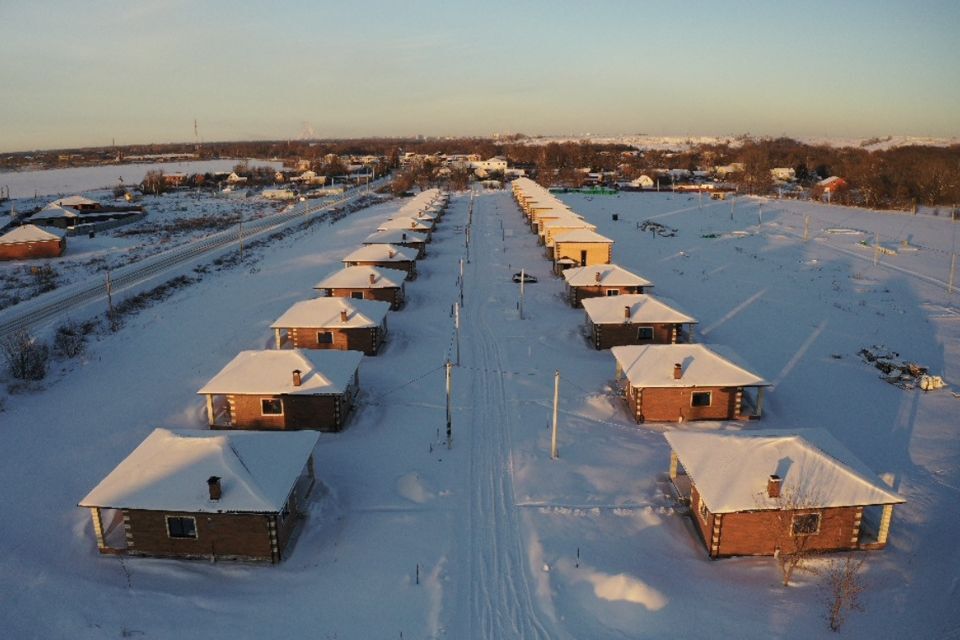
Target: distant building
[
  {"x": 365, "y": 283},
  {"x": 602, "y": 280},
  {"x": 636, "y": 319},
  {"x": 30, "y": 241},
  {"x": 343, "y": 324}
]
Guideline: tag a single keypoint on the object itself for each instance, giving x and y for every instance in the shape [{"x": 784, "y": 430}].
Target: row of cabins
[
  {"x": 759, "y": 492},
  {"x": 238, "y": 490}
]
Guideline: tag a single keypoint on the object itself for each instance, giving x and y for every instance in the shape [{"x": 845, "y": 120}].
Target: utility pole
[
  {"x": 760, "y": 214},
  {"x": 953, "y": 268},
  {"x": 556, "y": 398},
  {"x": 806, "y": 228},
  {"x": 733, "y": 203},
  {"x": 876, "y": 248},
  {"x": 449, "y": 417},
  {"x": 110, "y": 311},
  {"x": 241, "y": 237},
  {"x": 456, "y": 322},
  {"x": 461, "y": 282},
  {"x": 523, "y": 276}
]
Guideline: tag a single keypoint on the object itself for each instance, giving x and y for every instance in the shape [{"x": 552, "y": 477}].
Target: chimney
[
  {"x": 343, "y": 315},
  {"x": 773, "y": 486},
  {"x": 404, "y": 236},
  {"x": 391, "y": 253},
  {"x": 213, "y": 485},
  {"x": 373, "y": 278},
  {"x": 597, "y": 277},
  {"x": 677, "y": 371},
  {"x": 626, "y": 313},
  {"x": 296, "y": 377}
]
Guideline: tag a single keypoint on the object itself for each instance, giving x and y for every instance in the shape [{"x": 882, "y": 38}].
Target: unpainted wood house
[
  {"x": 581, "y": 248},
  {"x": 602, "y": 280},
  {"x": 343, "y": 324},
  {"x": 768, "y": 491},
  {"x": 416, "y": 241},
  {"x": 366, "y": 283},
  {"x": 202, "y": 495},
  {"x": 635, "y": 319},
  {"x": 30, "y": 241},
  {"x": 283, "y": 390},
  {"x": 387, "y": 256},
  {"x": 681, "y": 382}
]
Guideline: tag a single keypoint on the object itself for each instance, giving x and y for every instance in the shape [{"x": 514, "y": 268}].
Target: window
[
  {"x": 644, "y": 333},
  {"x": 357, "y": 295},
  {"x": 324, "y": 337},
  {"x": 271, "y": 407},
  {"x": 805, "y": 524},
  {"x": 613, "y": 292},
  {"x": 704, "y": 512},
  {"x": 700, "y": 399},
  {"x": 181, "y": 527}
]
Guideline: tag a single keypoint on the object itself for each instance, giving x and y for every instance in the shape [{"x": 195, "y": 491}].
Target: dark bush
[{"x": 26, "y": 357}]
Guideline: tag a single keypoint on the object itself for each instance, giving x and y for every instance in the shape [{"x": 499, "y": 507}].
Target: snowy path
[{"x": 502, "y": 603}]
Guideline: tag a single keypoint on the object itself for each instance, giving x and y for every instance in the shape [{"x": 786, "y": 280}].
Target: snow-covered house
[
  {"x": 196, "y": 494},
  {"x": 783, "y": 174},
  {"x": 766, "y": 492},
  {"x": 365, "y": 283},
  {"x": 30, "y": 241},
  {"x": 417, "y": 225},
  {"x": 602, "y": 280},
  {"x": 643, "y": 182},
  {"x": 78, "y": 202},
  {"x": 635, "y": 319},
  {"x": 388, "y": 256},
  {"x": 284, "y": 390},
  {"x": 680, "y": 382},
  {"x": 234, "y": 178},
  {"x": 401, "y": 237},
  {"x": 581, "y": 248},
  {"x": 333, "y": 323}
]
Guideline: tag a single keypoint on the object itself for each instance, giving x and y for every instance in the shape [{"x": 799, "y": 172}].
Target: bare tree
[
  {"x": 26, "y": 356},
  {"x": 794, "y": 525},
  {"x": 842, "y": 585}
]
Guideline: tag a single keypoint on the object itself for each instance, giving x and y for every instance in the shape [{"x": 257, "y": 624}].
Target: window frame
[
  {"x": 649, "y": 328},
  {"x": 193, "y": 519},
  {"x": 793, "y": 523},
  {"x": 613, "y": 292},
  {"x": 263, "y": 402},
  {"x": 709, "y": 395},
  {"x": 328, "y": 334},
  {"x": 356, "y": 295}
]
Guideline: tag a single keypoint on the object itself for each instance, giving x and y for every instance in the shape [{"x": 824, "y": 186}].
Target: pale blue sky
[{"x": 77, "y": 73}]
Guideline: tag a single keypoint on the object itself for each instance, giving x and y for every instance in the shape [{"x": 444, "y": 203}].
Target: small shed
[
  {"x": 387, "y": 256},
  {"x": 284, "y": 390},
  {"x": 636, "y": 319},
  {"x": 202, "y": 495},
  {"x": 584, "y": 247},
  {"x": 602, "y": 280},
  {"x": 31, "y": 241},
  {"x": 768, "y": 491},
  {"x": 365, "y": 283},
  {"x": 417, "y": 241},
  {"x": 343, "y": 324},
  {"x": 681, "y": 382}
]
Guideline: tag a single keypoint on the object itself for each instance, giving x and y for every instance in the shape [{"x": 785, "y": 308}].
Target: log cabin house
[
  {"x": 365, "y": 283},
  {"x": 343, "y": 324},
  {"x": 602, "y": 280},
  {"x": 201, "y": 495},
  {"x": 386, "y": 256},
  {"x": 681, "y": 382},
  {"x": 415, "y": 241},
  {"x": 580, "y": 249},
  {"x": 417, "y": 225},
  {"x": 635, "y": 319},
  {"x": 283, "y": 390},
  {"x": 767, "y": 492},
  {"x": 30, "y": 241}
]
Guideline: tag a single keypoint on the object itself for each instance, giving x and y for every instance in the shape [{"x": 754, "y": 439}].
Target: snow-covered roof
[
  {"x": 321, "y": 313},
  {"x": 582, "y": 235},
  {"x": 826, "y": 182},
  {"x": 417, "y": 224},
  {"x": 30, "y": 233},
  {"x": 652, "y": 366},
  {"x": 358, "y": 277},
  {"x": 54, "y": 211},
  {"x": 395, "y": 236},
  {"x": 611, "y": 275},
  {"x": 731, "y": 469},
  {"x": 381, "y": 253},
  {"x": 643, "y": 309},
  {"x": 73, "y": 201},
  {"x": 271, "y": 372},
  {"x": 169, "y": 472}
]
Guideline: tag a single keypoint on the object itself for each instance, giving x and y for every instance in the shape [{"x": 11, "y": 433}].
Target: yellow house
[
  {"x": 581, "y": 248},
  {"x": 551, "y": 228}
]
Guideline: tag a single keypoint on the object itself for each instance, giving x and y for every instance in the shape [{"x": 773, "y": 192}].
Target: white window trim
[
  {"x": 613, "y": 292},
  {"x": 263, "y": 413},
  {"x": 652, "y": 333},
  {"x": 793, "y": 520},
  {"x": 196, "y": 532},
  {"x": 709, "y": 395}
]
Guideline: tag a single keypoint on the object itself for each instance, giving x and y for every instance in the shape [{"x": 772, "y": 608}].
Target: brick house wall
[
  {"x": 393, "y": 295},
  {"x": 321, "y": 412},
  {"x": 30, "y": 250},
  {"x": 597, "y": 252},
  {"x": 669, "y": 404},
  {"x": 366, "y": 339},
  {"x": 613, "y": 335},
  {"x": 244, "y": 536},
  {"x": 579, "y": 294}
]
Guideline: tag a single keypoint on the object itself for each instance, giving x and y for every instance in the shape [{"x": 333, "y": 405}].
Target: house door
[{"x": 583, "y": 257}]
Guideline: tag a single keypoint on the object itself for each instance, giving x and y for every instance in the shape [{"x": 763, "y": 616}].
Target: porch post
[
  {"x": 210, "y": 416},
  {"x": 674, "y": 464},
  {"x": 760, "y": 391},
  {"x": 98, "y": 527},
  {"x": 277, "y": 338},
  {"x": 885, "y": 524}
]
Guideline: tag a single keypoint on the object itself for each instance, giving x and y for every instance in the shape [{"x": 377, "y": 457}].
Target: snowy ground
[{"x": 507, "y": 542}]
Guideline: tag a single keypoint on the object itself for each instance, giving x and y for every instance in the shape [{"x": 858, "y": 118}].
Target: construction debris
[
  {"x": 906, "y": 375},
  {"x": 657, "y": 229}
]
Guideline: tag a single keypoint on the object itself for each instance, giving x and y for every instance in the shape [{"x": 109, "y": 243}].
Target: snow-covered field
[
  {"x": 508, "y": 543},
  {"x": 679, "y": 142}
]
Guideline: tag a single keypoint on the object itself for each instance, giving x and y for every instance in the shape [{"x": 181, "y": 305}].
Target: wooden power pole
[
  {"x": 556, "y": 399},
  {"x": 448, "y": 368}
]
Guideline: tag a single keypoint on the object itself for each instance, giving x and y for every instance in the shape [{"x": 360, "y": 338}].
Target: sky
[{"x": 96, "y": 72}]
